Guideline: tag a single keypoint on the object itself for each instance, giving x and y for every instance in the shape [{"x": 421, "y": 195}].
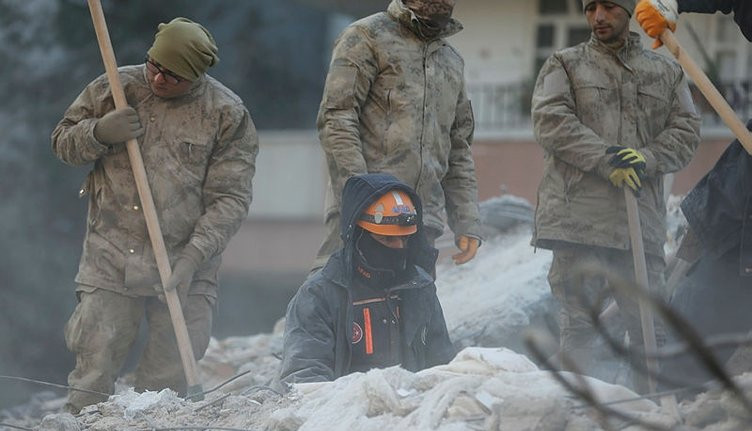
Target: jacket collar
[
  {"x": 196, "y": 89},
  {"x": 334, "y": 270},
  {"x": 631, "y": 47},
  {"x": 399, "y": 12}
]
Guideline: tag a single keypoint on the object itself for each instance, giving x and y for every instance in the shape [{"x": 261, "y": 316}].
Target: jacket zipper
[
  {"x": 388, "y": 121},
  {"x": 423, "y": 116}
]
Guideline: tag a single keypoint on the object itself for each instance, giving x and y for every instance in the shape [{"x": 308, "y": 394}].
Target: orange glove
[
  {"x": 655, "y": 16},
  {"x": 468, "y": 246}
]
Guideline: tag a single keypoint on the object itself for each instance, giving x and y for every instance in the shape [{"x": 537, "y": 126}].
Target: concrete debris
[
  {"x": 502, "y": 213},
  {"x": 488, "y": 302},
  {"x": 60, "y": 422}
]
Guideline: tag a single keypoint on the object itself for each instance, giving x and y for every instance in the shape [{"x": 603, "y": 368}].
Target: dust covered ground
[{"x": 489, "y": 302}]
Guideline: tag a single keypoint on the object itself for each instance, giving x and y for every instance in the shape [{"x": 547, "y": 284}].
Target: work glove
[
  {"x": 655, "y": 16},
  {"x": 468, "y": 246},
  {"x": 630, "y": 176},
  {"x": 625, "y": 157},
  {"x": 182, "y": 272},
  {"x": 118, "y": 126}
]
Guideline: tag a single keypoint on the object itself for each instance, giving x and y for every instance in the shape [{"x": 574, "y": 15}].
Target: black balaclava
[{"x": 377, "y": 265}]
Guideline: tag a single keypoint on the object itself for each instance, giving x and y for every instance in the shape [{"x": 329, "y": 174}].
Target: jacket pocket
[
  {"x": 85, "y": 188},
  {"x": 385, "y": 96},
  {"x": 74, "y": 329},
  {"x": 471, "y": 118},
  {"x": 596, "y": 105},
  {"x": 590, "y": 98},
  {"x": 192, "y": 157},
  {"x": 93, "y": 188},
  {"x": 655, "y": 107},
  {"x": 339, "y": 89},
  {"x": 385, "y": 147},
  {"x": 570, "y": 177}
]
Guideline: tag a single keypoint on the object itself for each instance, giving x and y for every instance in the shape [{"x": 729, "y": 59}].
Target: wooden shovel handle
[
  {"x": 707, "y": 88},
  {"x": 641, "y": 276},
  {"x": 147, "y": 202},
  {"x": 668, "y": 403}
]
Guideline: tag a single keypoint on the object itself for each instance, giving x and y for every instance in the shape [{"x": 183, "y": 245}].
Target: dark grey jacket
[
  {"x": 719, "y": 208},
  {"x": 317, "y": 341}
]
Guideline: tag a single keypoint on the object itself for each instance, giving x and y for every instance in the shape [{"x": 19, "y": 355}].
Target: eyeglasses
[{"x": 156, "y": 69}]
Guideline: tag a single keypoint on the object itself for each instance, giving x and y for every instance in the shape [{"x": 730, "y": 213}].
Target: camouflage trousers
[
  {"x": 104, "y": 327},
  {"x": 584, "y": 276}
]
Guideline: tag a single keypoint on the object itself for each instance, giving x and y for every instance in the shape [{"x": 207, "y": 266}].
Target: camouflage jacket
[
  {"x": 586, "y": 99},
  {"x": 199, "y": 152},
  {"x": 396, "y": 103}
]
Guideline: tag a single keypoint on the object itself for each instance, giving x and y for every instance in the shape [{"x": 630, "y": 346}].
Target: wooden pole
[
  {"x": 147, "y": 204},
  {"x": 641, "y": 276},
  {"x": 646, "y": 313},
  {"x": 708, "y": 90}
]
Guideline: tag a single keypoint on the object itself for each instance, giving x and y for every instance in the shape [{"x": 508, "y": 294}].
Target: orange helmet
[{"x": 393, "y": 214}]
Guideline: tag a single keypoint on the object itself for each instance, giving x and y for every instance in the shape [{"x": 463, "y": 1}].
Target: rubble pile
[{"x": 488, "y": 303}]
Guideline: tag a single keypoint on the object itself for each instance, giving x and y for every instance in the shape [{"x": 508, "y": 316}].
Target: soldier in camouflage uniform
[
  {"x": 199, "y": 146},
  {"x": 608, "y": 114},
  {"x": 395, "y": 102}
]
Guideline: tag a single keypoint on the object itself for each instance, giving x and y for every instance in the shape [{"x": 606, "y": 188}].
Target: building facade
[{"x": 504, "y": 43}]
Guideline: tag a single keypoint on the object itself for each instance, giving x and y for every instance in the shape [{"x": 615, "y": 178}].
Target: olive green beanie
[
  {"x": 628, "y": 5},
  {"x": 184, "y": 47}
]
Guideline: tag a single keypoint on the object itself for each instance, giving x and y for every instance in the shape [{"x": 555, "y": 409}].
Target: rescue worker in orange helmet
[{"x": 373, "y": 305}]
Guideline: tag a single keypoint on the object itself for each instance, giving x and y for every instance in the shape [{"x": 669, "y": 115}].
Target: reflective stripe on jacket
[{"x": 319, "y": 322}]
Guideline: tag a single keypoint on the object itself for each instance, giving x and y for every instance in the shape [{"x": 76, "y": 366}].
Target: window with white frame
[{"x": 561, "y": 23}]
